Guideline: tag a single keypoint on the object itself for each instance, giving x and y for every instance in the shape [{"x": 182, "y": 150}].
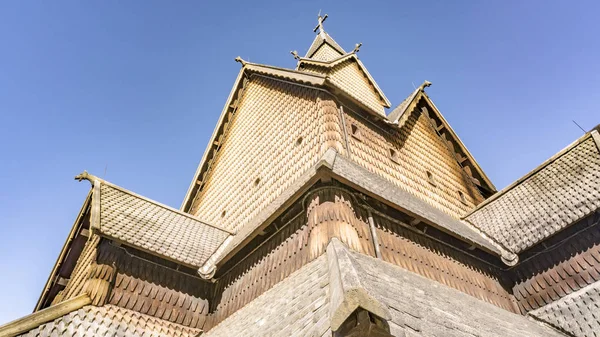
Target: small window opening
[
  {"x": 355, "y": 132},
  {"x": 223, "y": 214},
  {"x": 299, "y": 140},
  {"x": 462, "y": 197},
  {"x": 257, "y": 181},
  {"x": 393, "y": 155},
  {"x": 431, "y": 179}
]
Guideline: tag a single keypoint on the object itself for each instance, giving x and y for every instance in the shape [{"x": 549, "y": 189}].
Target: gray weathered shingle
[
  {"x": 156, "y": 228},
  {"x": 109, "y": 320},
  {"x": 577, "y": 313},
  {"x": 557, "y": 194},
  {"x": 301, "y": 304},
  {"x": 422, "y": 307},
  {"x": 297, "y": 306}
]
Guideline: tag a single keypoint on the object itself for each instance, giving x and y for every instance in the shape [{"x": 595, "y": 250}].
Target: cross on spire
[{"x": 320, "y": 25}]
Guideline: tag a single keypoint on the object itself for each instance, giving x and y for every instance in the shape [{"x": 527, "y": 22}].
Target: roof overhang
[
  {"x": 349, "y": 56},
  {"x": 334, "y": 165}
]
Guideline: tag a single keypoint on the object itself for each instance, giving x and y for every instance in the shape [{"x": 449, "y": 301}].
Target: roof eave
[
  {"x": 461, "y": 144},
  {"x": 329, "y": 165},
  {"x": 65, "y": 249},
  {"x": 533, "y": 172},
  {"x": 185, "y": 205}
]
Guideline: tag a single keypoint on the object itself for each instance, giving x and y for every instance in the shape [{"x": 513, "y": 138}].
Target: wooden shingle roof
[
  {"x": 150, "y": 226},
  {"x": 322, "y": 39},
  {"x": 109, "y": 320},
  {"x": 313, "y": 300},
  {"x": 576, "y": 313},
  {"x": 558, "y": 193}
]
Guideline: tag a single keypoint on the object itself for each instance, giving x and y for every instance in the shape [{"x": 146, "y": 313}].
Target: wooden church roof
[
  {"x": 320, "y": 296},
  {"x": 326, "y": 291},
  {"x": 556, "y": 194},
  {"x": 150, "y": 226}
]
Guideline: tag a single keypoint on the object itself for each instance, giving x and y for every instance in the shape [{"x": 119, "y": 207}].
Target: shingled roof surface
[
  {"x": 426, "y": 308},
  {"x": 109, "y": 320},
  {"x": 301, "y": 304},
  {"x": 297, "y": 306},
  {"x": 400, "y": 111},
  {"x": 319, "y": 40},
  {"x": 560, "y": 192},
  {"x": 577, "y": 313},
  {"x": 156, "y": 228}
]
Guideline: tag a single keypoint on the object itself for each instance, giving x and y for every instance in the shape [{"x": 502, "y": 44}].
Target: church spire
[
  {"x": 324, "y": 47},
  {"x": 319, "y": 26}
]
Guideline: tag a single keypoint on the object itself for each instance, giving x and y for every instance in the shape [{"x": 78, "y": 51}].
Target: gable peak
[{"x": 324, "y": 42}]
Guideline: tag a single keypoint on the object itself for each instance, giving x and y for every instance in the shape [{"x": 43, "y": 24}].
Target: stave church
[{"x": 321, "y": 209}]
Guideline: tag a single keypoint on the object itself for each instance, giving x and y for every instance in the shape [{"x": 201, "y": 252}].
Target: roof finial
[
  {"x": 320, "y": 25},
  {"x": 295, "y": 53},
  {"x": 424, "y": 85},
  {"x": 240, "y": 60},
  {"x": 357, "y": 48}
]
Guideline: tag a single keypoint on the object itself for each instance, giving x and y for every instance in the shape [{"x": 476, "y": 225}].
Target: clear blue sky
[{"x": 137, "y": 87}]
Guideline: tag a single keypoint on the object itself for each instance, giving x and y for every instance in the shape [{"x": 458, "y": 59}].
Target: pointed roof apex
[{"x": 322, "y": 38}]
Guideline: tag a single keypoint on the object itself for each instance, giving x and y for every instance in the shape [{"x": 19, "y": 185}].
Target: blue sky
[{"x": 134, "y": 88}]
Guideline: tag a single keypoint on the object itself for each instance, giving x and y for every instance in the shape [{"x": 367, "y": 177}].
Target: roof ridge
[
  {"x": 537, "y": 169},
  {"x": 282, "y": 69},
  {"x": 92, "y": 178}
]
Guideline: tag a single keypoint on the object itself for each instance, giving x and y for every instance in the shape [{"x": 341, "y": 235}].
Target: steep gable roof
[
  {"x": 556, "y": 194},
  {"x": 316, "y": 80},
  {"x": 401, "y": 113},
  {"x": 348, "y": 73},
  {"x": 324, "y": 39}
]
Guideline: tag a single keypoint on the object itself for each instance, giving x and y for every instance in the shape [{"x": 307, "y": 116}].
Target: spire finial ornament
[
  {"x": 295, "y": 53},
  {"x": 319, "y": 26},
  {"x": 424, "y": 85},
  {"x": 357, "y": 48},
  {"x": 240, "y": 60}
]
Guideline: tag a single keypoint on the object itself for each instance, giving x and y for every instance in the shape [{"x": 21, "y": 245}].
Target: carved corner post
[{"x": 331, "y": 214}]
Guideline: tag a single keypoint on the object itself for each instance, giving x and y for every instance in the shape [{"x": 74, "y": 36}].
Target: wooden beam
[
  {"x": 62, "y": 281},
  {"x": 34, "y": 320},
  {"x": 84, "y": 232}
]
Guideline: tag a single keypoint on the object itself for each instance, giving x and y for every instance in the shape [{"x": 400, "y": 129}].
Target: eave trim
[
  {"x": 528, "y": 175},
  {"x": 38, "y": 318},
  {"x": 64, "y": 251}
]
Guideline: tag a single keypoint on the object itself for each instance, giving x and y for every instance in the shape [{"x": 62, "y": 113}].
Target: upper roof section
[
  {"x": 324, "y": 47},
  {"x": 150, "y": 226},
  {"x": 419, "y": 99},
  {"x": 344, "y": 70},
  {"x": 558, "y": 193}
]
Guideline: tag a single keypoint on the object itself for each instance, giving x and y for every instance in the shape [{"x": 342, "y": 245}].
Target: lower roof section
[
  {"x": 313, "y": 301},
  {"x": 297, "y": 306},
  {"x": 555, "y": 195},
  {"x": 109, "y": 320},
  {"x": 152, "y": 227},
  {"x": 577, "y": 313}
]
